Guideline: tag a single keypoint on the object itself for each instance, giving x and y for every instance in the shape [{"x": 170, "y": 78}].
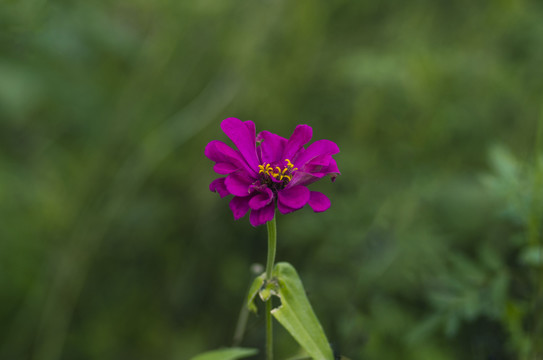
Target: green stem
[
  {"x": 269, "y": 330},
  {"x": 272, "y": 244}
]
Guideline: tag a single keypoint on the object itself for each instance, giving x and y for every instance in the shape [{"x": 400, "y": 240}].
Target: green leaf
[
  {"x": 253, "y": 290},
  {"x": 226, "y": 354},
  {"x": 296, "y": 315}
]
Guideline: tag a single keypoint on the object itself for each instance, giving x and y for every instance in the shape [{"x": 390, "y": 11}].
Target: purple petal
[
  {"x": 322, "y": 160},
  {"x": 284, "y": 209},
  {"x": 243, "y": 136},
  {"x": 303, "y": 178},
  {"x": 251, "y": 128},
  {"x": 321, "y": 171},
  {"x": 272, "y": 147},
  {"x": 261, "y": 216},
  {"x": 332, "y": 170},
  {"x": 318, "y": 148},
  {"x": 261, "y": 200},
  {"x": 238, "y": 183},
  {"x": 332, "y": 167},
  {"x": 318, "y": 201},
  {"x": 301, "y": 136},
  {"x": 295, "y": 197},
  {"x": 239, "y": 206},
  {"x": 224, "y": 168},
  {"x": 218, "y": 186},
  {"x": 313, "y": 173},
  {"x": 219, "y": 152},
  {"x": 259, "y": 154},
  {"x": 316, "y": 164}
]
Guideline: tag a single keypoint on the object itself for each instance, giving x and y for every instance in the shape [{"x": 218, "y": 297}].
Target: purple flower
[{"x": 268, "y": 170}]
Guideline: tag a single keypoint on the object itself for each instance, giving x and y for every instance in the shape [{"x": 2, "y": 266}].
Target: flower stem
[
  {"x": 269, "y": 330},
  {"x": 272, "y": 244}
]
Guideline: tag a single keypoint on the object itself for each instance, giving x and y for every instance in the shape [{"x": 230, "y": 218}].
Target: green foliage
[
  {"x": 255, "y": 289},
  {"x": 226, "y": 354}
]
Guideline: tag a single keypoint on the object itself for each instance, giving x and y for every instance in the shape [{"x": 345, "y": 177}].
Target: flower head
[{"x": 268, "y": 170}]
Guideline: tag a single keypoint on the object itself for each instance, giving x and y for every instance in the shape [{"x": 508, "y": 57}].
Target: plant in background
[{"x": 267, "y": 172}]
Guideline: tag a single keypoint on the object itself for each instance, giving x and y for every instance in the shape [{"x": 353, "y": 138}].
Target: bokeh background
[{"x": 112, "y": 246}]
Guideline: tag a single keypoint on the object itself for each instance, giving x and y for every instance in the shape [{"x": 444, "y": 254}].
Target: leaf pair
[{"x": 295, "y": 313}]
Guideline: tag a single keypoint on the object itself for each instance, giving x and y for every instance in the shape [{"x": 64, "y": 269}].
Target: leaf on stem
[
  {"x": 226, "y": 354},
  {"x": 296, "y": 314},
  {"x": 253, "y": 290}
]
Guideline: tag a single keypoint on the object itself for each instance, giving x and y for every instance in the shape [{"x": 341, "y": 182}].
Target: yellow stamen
[{"x": 279, "y": 172}]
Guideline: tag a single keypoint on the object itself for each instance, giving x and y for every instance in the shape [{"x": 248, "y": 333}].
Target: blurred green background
[{"x": 112, "y": 246}]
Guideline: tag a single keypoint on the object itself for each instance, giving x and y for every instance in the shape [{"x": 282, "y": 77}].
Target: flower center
[{"x": 277, "y": 176}]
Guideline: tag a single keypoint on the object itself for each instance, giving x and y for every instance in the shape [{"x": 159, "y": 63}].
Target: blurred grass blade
[
  {"x": 296, "y": 314},
  {"x": 226, "y": 354}
]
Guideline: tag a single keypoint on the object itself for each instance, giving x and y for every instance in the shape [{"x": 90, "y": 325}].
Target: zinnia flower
[{"x": 268, "y": 170}]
